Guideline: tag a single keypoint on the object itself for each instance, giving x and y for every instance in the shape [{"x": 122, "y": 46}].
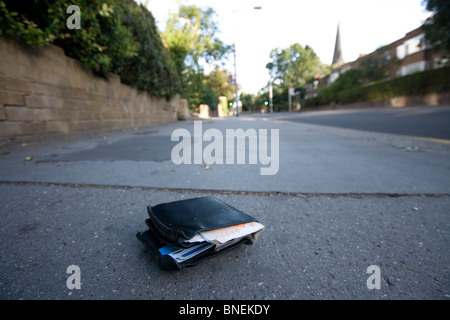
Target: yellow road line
[{"x": 434, "y": 140}]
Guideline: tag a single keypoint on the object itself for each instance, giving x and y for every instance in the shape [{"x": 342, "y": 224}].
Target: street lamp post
[
  {"x": 235, "y": 69},
  {"x": 235, "y": 81},
  {"x": 271, "y": 98}
]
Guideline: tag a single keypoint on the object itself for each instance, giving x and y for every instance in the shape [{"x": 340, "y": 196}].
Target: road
[
  {"x": 432, "y": 122},
  {"x": 341, "y": 201}
]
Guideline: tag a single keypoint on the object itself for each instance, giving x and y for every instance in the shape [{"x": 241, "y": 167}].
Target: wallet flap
[{"x": 181, "y": 220}]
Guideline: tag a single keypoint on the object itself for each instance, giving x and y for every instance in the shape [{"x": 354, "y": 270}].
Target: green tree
[
  {"x": 295, "y": 65},
  {"x": 347, "y": 80},
  {"x": 217, "y": 80},
  {"x": 116, "y": 37},
  {"x": 437, "y": 27},
  {"x": 377, "y": 65},
  {"x": 102, "y": 43},
  {"x": 198, "y": 91},
  {"x": 151, "y": 68},
  {"x": 191, "y": 38},
  {"x": 248, "y": 101}
]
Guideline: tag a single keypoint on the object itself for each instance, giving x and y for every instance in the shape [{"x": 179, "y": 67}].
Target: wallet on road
[{"x": 183, "y": 233}]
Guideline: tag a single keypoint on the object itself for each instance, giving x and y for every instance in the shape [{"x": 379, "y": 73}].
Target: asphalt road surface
[{"x": 429, "y": 122}]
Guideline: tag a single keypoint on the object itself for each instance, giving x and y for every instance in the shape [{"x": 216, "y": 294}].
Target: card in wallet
[{"x": 183, "y": 233}]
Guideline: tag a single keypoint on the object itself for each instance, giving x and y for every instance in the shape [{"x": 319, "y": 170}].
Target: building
[{"x": 399, "y": 58}]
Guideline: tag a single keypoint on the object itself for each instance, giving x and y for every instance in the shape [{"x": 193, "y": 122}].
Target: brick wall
[{"x": 44, "y": 93}]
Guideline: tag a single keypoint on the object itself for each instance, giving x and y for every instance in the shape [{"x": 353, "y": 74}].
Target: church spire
[{"x": 338, "y": 60}]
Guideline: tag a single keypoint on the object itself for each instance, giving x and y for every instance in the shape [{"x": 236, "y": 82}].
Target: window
[
  {"x": 401, "y": 52},
  {"x": 333, "y": 77},
  {"x": 439, "y": 62},
  {"x": 385, "y": 58},
  {"x": 410, "y": 46},
  {"x": 413, "y": 68}
]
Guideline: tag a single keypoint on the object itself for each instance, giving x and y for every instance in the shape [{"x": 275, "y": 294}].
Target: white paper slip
[
  {"x": 196, "y": 238},
  {"x": 223, "y": 235}
]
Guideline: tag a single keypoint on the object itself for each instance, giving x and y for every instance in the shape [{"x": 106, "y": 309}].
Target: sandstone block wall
[{"x": 44, "y": 93}]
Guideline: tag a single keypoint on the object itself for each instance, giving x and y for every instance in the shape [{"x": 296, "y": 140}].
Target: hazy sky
[{"x": 365, "y": 25}]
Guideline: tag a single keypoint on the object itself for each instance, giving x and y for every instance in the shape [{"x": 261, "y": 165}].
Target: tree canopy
[
  {"x": 295, "y": 65},
  {"x": 116, "y": 37},
  {"x": 437, "y": 27},
  {"x": 190, "y": 36},
  {"x": 191, "y": 39}
]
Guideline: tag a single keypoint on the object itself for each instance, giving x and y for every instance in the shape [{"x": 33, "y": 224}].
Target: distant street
[{"x": 430, "y": 122}]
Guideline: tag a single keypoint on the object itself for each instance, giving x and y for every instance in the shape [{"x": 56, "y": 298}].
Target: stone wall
[{"x": 44, "y": 93}]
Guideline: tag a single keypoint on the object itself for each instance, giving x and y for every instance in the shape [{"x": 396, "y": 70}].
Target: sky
[{"x": 365, "y": 25}]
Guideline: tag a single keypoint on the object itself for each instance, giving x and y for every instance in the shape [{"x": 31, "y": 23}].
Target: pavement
[{"x": 342, "y": 200}]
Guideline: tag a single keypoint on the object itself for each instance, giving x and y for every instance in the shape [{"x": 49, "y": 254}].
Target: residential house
[{"x": 402, "y": 57}]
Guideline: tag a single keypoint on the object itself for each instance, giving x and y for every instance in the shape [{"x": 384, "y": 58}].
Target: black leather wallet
[{"x": 174, "y": 227}]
